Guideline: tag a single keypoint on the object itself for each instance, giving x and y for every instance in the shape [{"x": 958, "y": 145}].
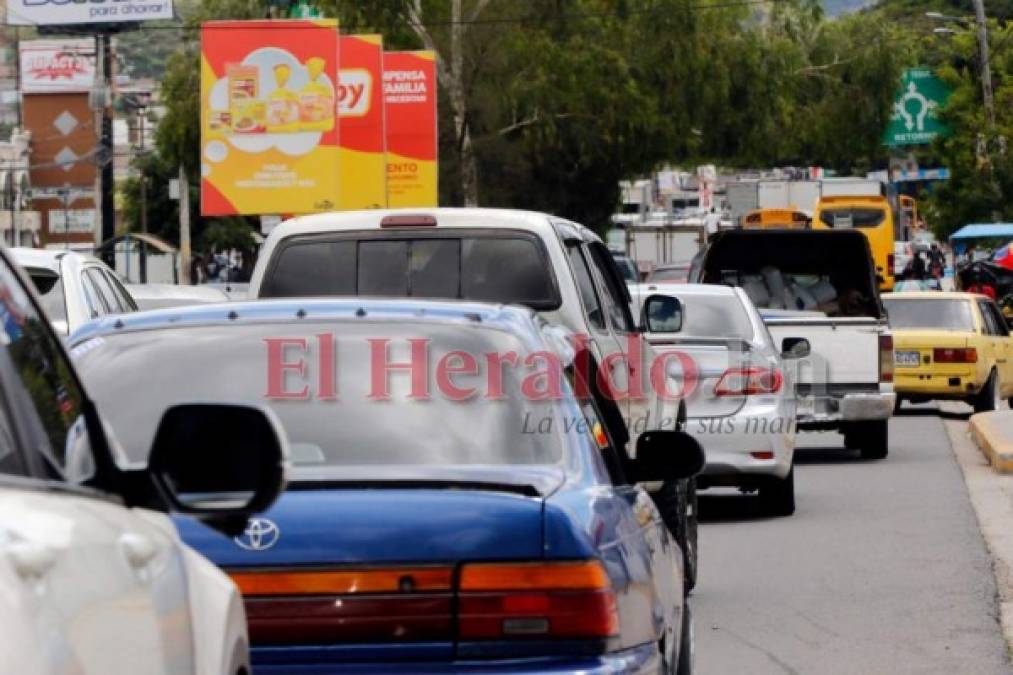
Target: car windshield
[
  {"x": 468, "y": 267},
  {"x": 708, "y": 316},
  {"x": 362, "y": 408},
  {"x": 50, "y": 289},
  {"x": 941, "y": 314},
  {"x": 680, "y": 273},
  {"x": 626, "y": 268}
]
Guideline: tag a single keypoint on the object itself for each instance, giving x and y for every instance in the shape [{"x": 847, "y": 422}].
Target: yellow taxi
[{"x": 950, "y": 346}]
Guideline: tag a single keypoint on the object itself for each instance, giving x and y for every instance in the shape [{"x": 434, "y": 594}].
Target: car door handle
[
  {"x": 31, "y": 560},
  {"x": 137, "y": 550}
]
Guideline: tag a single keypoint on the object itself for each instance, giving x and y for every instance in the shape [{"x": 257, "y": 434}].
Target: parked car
[
  {"x": 819, "y": 285},
  {"x": 474, "y": 527},
  {"x": 160, "y": 296},
  {"x": 72, "y": 287},
  {"x": 93, "y": 576},
  {"x": 560, "y": 269},
  {"x": 950, "y": 346},
  {"x": 741, "y": 405}
]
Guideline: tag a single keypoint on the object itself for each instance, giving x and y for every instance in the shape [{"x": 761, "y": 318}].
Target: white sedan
[
  {"x": 740, "y": 399},
  {"x": 73, "y": 288}
]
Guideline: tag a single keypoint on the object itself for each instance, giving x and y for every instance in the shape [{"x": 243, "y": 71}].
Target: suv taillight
[
  {"x": 886, "y": 358},
  {"x": 749, "y": 381},
  {"x": 572, "y": 600}
]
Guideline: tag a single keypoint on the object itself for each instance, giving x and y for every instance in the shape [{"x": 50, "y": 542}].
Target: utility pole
[{"x": 986, "y": 68}]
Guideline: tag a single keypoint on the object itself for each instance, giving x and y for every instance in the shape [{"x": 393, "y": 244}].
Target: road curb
[{"x": 993, "y": 434}]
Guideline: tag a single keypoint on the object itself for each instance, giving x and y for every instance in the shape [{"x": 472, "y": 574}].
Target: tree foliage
[{"x": 563, "y": 98}]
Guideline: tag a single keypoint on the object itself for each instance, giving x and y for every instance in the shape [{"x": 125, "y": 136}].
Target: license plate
[{"x": 907, "y": 359}]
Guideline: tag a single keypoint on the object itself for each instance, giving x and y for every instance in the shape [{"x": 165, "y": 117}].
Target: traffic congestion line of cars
[{"x": 444, "y": 440}]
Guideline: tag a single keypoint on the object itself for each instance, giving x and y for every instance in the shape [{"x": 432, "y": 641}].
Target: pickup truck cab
[
  {"x": 819, "y": 285},
  {"x": 558, "y": 268}
]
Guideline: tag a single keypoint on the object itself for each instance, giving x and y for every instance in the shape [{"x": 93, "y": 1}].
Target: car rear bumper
[
  {"x": 829, "y": 411},
  {"x": 737, "y": 447},
  {"x": 957, "y": 384},
  {"x": 322, "y": 660}
]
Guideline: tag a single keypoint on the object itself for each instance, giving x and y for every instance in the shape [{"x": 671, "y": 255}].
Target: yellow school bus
[
  {"x": 872, "y": 216},
  {"x": 767, "y": 219}
]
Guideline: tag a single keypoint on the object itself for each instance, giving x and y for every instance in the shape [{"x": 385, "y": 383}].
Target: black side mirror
[
  {"x": 220, "y": 463},
  {"x": 667, "y": 455},
  {"x": 662, "y": 314},
  {"x": 795, "y": 348}
]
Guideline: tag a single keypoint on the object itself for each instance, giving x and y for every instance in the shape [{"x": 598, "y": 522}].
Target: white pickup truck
[{"x": 819, "y": 285}]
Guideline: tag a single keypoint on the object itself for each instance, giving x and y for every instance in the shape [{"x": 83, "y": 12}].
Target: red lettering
[
  {"x": 494, "y": 362},
  {"x": 277, "y": 367},
  {"x": 381, "y": 368},
  {"x": 466, "y": 365}
]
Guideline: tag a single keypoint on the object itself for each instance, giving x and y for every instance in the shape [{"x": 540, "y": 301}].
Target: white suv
[{"x": 93, "y": 576}]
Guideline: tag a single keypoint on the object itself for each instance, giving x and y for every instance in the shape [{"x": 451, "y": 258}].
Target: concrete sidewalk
[{"x": 984, "y": 450}]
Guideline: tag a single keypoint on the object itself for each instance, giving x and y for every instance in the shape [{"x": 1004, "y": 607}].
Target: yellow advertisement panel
[
  {"x": 363, "y": 171},
  {"x": 269, "y": 133},
  {"x": 409, "y": 87}
]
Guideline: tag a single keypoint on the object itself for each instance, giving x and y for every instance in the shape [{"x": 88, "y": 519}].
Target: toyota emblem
[{"x": 260, "y": 534}]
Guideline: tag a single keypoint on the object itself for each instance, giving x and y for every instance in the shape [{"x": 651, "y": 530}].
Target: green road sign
[{"x": 915, "y": 118}]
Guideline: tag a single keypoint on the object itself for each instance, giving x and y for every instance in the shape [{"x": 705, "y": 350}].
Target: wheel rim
[{"x": 996, "y": 401}]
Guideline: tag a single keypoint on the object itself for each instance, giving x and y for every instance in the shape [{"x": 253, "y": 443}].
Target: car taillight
[
  {"x": 398, "y": 604},
  {"x": 571, "y": 600},
  {"x": 889, "y": 263},
  {"x": 749, "y": 381},
  {"x": 886, "y": 358},
  {"x": 947, "y": 355}
]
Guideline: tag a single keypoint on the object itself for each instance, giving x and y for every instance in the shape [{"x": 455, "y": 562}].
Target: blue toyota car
[{"x": 452, "y": 507}]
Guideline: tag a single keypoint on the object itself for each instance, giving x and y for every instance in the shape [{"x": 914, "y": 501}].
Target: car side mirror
[
  {"x": 795, "y": 348},
  {"x": 662, "y": 314},
  {"x": 664, "y": 455},
  {"x": 219, "y": 463}
]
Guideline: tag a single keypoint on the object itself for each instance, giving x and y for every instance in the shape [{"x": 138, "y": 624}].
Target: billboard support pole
[
  {"x": 184, "y": 227},
  {"x": 108, "y": 213}
]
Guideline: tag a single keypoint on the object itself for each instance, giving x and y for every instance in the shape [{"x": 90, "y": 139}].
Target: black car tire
[
  {"x": 777, "y": 495},
  {"x": 872, "y": 439},
  {"x": 677, "y": 503},
  {"x": 686, "y": 643},
  {"x": 988, "y": 399}
]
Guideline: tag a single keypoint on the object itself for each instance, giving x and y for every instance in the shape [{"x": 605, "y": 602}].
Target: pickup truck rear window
[
  {"x": 937, "y": 314},
  {"x": 510, "y": 269}
]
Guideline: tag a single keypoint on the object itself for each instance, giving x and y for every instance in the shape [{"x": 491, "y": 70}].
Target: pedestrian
[
  {"x": 918, "y": 266},
  {"x": 712, "y": 221}
]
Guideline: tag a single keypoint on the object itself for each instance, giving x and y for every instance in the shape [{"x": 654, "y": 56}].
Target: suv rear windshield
[
  {"x": 941, "y": 314},
  {"x": 511, "y": 269}
]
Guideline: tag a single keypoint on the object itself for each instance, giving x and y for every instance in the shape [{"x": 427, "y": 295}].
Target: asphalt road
[{"x": 882, "y": 569}]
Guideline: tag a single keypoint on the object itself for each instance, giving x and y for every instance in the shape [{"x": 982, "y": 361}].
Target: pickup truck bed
[{"x": 820, "y": 285}]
